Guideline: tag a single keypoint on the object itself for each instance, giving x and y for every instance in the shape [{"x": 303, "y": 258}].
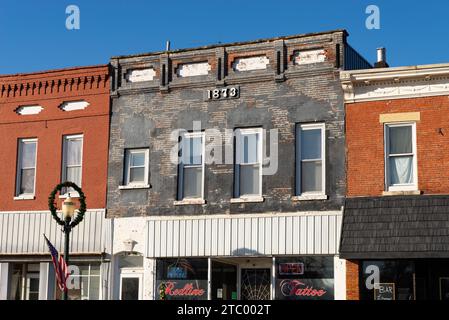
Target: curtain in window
[
  {"x": 74, "y": 152},
  {"x": 401, "y": 170}
]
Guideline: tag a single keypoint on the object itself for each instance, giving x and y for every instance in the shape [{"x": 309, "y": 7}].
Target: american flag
[{"x": 60, "y": 266}]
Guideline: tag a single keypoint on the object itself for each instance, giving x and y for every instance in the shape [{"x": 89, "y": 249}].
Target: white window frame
[
  {"x": 89, "y": 277},
  {"x": 239, "y": 134},
  {"x": 19, "y": 170},
  {"x": 400, "y": 187},
  {"x": 184, "y": 137},
  {"x": 128, "y": 153},
  {"x": 303, "y": 127},
  {"x": 64, "y": 160}
]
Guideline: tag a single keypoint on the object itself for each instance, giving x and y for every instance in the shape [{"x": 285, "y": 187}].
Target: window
[
  {"x": 310, "y": 159},
  {"x": 26, "y": 167},
  {"x": 248, "y": 166},
  {"x": 24, "y": 282},
  {"x": 72, "y": 160},
  {"x": 400, "y": 157},
  {"x": 136, "y": 169},
  {"x": 191, "y": 168},
  {"x": 85, "y": 285},
  {"x": 179, "y": 274}
]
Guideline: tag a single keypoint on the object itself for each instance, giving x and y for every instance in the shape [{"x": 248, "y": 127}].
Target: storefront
[
  {"x": 280, "y": 278},
  {"x": 26, "y": 270},
  {"x": 398, "y": 246},
  {"x": 423, "y": 279},
  {"x": 243, "y": 257}
]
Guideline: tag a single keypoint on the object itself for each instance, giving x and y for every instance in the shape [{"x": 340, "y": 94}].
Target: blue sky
[{"x": 33, "y": 35}]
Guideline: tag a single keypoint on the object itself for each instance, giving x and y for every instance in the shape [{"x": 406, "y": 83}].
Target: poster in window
[
  {"x": 305, "y": 289},
  {"x": 184, "y": 289},
  {"x": 384, "y": 291}
]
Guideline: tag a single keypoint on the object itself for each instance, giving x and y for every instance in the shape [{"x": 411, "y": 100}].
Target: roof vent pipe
[{"x": 381, "y": 58}]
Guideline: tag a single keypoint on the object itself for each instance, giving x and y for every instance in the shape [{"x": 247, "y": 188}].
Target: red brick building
[
  {"x": 54, "y": 127},
  {"x": 395, "y": 231}
]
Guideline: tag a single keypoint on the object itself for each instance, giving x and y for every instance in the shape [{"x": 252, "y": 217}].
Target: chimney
[
  {"x": 381, "y": 59},
  {"x": 167, "y": 45}
]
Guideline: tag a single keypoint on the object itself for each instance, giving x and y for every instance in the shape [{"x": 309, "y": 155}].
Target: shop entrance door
[
  {"x": 32, "y": 286},
  {"x": 255, "y": 284},
  {"x": 131, "y": 286},
  {"x": 224, "y": 281}
]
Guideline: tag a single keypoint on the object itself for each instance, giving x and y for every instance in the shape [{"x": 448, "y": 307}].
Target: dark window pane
[
  {"x": 27, "y": 181},
  {"x": 192, "y": 182},
  {"x": 136, "y": 175},
  {"x": 311, "y": 173},
  {"x": 249, "y": 179},
  {"x": 137, "y": 159},
  {"x": 250, "y": 148},
  {"x": 400, "y": 140},
  {"x": 130, "y": 288},
  {"x": 311, "y": 144}
]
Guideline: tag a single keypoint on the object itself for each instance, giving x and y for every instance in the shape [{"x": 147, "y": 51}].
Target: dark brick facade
[{"x": 144, "y": 114}]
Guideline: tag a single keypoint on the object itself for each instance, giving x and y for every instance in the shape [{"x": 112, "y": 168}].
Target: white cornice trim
[{"x": 395, "y": 83}]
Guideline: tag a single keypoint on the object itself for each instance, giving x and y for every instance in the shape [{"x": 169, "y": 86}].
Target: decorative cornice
[
  {"x": 395, "y": 83},
  {"x": 54, "y": 82}
]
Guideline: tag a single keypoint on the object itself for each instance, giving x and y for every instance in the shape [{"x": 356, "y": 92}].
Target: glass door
[
  {"x": 224, "y": 281},
  {"x": 32, "y": 287},
  {"x": 255, "y": 284},
  {"x": 131, "y": 286}
]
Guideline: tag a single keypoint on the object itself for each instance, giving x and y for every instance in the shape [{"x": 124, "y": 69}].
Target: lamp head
[{"x": 68, "y": 208}]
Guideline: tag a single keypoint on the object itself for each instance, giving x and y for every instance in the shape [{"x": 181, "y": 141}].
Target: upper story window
[
  {"x": 248, "y": 164},
  {"x": 136, "y": 167},
  {"x": 26, "y": 168},
  {"x": 310, "y": 159},
  {"x": 72, "y": 160},
  {"x": 191, "y": 168},
  {"x": 400, "y": 157}
]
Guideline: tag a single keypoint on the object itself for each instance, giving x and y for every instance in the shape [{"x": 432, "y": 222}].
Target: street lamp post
[{"x": 68, "y": 212}]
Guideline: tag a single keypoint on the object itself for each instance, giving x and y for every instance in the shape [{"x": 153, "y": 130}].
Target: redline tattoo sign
[
  {"x": 305, "y": 289},
  {"x": 185, "y": 289}
]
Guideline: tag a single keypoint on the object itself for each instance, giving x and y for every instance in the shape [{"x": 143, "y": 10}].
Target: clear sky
[{"x": 33, "y": 33}]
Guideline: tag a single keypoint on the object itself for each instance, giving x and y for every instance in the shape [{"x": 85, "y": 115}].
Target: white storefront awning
[
  {"x": 244, "y": 235},
  {"x": 21, "y": 233}
]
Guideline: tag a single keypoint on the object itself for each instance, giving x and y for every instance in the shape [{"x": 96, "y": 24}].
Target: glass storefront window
[
  {"x": 395, "y": 277},
  {"x": 305, "y": 278},
  {"x": 85, "y": 285},
  {"x": 24, "y": 281},
  {"x": 183, "y": 279}
]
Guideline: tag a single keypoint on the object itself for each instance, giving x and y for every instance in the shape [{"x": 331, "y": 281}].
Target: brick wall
[
  {"x": 50, "y": 89},
  {"x": 145, "y": 114},
  {"x": 365, "y": 144},
  {"x": 352, "y": 280}
]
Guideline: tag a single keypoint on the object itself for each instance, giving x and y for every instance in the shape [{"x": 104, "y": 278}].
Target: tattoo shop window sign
[
  {"x": 231, "y": 92},
  {"x": 287, "y": 269}
]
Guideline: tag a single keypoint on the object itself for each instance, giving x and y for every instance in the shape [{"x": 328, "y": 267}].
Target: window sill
[
  {"x": 402, "y": 193},
  {"x": 247, "y": 199},
  {"x": 184, "y": 202},
  {"x": 25, "y": 197},
  {"x": 308, "y": 197},
  {"x": 131, "y": 187}
]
